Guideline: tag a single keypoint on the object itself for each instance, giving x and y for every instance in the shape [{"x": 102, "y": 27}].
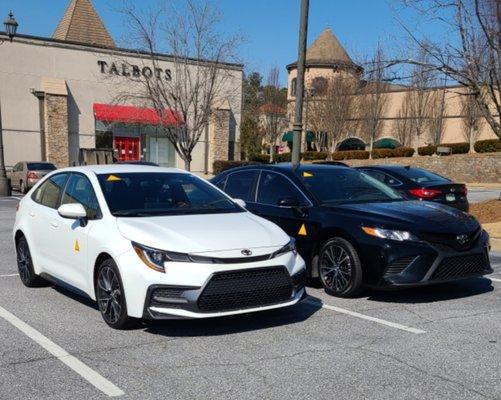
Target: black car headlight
[
  {"x": 390, "y": 234},
  {"x": 155, "y": 259},
  {"x": 288, "y": 248}
]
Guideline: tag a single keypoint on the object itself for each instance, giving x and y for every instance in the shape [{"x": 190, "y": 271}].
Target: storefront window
[{"x": 133, "y": 142}]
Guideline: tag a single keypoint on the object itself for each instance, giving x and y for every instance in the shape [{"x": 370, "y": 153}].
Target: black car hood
[{"x": 411, "y": 215}]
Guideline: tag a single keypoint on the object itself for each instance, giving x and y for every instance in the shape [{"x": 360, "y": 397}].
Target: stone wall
[
  {"x": 467, "y": 168},
  {"x": 219, "y": 136},
  {"x": 56, "y": 130}
]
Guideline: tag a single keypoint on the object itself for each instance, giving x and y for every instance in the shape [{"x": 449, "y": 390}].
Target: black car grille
[
  {"x": 246, "y": 289},
  {"x": 399, "y": 265},
  {"x": 450, "y": 241},
  {"x": 461, "y": 266}
]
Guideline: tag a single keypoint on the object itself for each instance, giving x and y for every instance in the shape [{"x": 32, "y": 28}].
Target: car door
[
  {"x": 273, "y": 187},
  {"x": 14, "y": 178},
  {"x": 43, "y": 222},
  {"x": 72, "y": 249}
]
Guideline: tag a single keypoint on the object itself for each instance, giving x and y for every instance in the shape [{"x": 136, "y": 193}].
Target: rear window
[
  {"x": 41, "y": 167},
  {"x": 419, "y": 175}
]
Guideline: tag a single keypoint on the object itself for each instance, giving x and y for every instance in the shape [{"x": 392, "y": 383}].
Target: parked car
[
  {"x": 140, "y": 162},
  {"x": 355, "y": 231},
  {"x": 418, "y": 183},
  {"x": 26, "y": 174},
  {"x": 324, "y": 162},
  {"x": 154, "y": 243}
]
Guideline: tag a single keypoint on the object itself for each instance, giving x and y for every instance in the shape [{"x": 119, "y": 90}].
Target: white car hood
[{"x": 205, "y": 233}]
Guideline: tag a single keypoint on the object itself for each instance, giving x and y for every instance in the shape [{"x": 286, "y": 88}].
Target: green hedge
[
  {"x": 458, "y": 148},
  {"x": 284, "y": 157},
  {"x": 427, "y": 150},
  {"x": 262, "y": 158},
  {"x": 350, "y": 155},
  {"x": 488, "y": 146},
  {"x": 219, "y": 166},
  {"x": 390, "y": 153},
  {"x": 315, "y": 155}
]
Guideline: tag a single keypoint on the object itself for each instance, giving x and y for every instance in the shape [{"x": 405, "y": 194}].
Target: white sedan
[{"x": 149, "y": 242}]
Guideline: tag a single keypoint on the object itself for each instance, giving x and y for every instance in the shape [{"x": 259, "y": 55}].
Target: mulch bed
[{"x": 487, "y": 212}]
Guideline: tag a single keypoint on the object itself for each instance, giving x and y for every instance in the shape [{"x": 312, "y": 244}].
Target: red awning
[{"x": 134, "y": 115}]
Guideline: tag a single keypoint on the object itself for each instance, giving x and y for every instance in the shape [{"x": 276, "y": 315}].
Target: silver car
[{"x": 26, "y": 174}]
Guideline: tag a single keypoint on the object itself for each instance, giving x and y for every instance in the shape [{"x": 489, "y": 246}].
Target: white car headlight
[
  {"x": 289, "y": 247},
  {"x": 155, "y": 258},
  {"x": 399, "y": 236}
]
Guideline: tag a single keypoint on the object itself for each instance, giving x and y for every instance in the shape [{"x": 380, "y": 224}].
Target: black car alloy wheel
[
  {"x": 339, "y": 268},
  {"x": 110, "y": 296},
  {"x": 25, "y": 265}
]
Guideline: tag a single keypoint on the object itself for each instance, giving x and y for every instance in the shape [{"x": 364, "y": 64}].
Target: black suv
[{"x": 353, "y": 230}]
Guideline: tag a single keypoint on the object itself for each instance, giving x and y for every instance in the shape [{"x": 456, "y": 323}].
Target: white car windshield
[{"x": 156, "y": 193}]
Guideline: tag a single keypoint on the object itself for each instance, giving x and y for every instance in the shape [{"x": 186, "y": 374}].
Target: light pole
[
  {"x": 298, "y": 114},
  {"x": 5, "y": 190}
]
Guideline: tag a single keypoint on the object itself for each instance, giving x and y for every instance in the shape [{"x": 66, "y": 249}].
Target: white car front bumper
[{"x": 200, "y": 290}]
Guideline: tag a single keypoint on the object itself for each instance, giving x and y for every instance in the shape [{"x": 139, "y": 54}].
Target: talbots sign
[{"x": 136, "y": 71}]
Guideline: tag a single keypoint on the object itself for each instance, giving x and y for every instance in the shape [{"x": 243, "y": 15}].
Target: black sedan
[
  {"x": 355, "y": 231},
  {"x": 420, "y": 184}
]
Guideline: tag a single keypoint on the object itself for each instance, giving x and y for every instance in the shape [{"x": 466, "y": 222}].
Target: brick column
[{"x": 56, "y": 121}]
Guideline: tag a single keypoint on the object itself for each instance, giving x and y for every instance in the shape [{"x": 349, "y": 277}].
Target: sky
[{"x": 269, "y": 27}]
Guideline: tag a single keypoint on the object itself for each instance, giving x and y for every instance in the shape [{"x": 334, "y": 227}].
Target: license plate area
[{"x": 450, "y": 197}]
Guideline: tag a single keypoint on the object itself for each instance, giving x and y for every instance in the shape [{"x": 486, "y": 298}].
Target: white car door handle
[{"x": 54, "y": 224}]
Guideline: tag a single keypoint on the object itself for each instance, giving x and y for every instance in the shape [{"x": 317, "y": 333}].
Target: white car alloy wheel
[{"x": 156, "y": 243}]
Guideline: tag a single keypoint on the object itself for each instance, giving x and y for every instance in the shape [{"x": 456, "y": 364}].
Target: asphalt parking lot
[{"x": 437, "y": 342}]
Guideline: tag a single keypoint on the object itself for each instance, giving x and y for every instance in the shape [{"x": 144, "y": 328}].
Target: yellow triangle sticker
[
  {"x": 302, "y": 231},
  {"x": 77, "y": 246},
  {"x": 307, "y": 175},
  {"x": 113, "y": 178}
]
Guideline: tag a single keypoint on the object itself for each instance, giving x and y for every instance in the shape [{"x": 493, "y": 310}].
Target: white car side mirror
[
  {"x": 240, "y": 202},
  {"x": 72, "y": 211}
]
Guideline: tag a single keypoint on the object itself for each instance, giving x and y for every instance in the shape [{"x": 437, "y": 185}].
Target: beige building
[
  {"x": 327, "y": 60},
  {"x": 59, "y": 96}
]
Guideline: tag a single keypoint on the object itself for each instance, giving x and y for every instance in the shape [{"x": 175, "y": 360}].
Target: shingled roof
[
  {"x": 326, "y": 50},
  {"x": 82, "y": 24}
]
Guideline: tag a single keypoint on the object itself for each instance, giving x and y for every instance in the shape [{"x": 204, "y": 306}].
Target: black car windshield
[
  {"x": 419, "y": 175},
  {"x": 346, "y": 185},
  {"x": 41, "y": 167},
  {"x": 156, "y": 193}
]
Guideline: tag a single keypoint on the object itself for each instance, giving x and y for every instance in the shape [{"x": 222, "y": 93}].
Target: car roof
[
  {"x": 120, "y": 168},
  {"x": 389, "y": 167},
  {"x": 287, "y": 167}
]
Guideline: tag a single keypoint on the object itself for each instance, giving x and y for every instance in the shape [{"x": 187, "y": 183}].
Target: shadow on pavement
[
  {"x": 430, "y": 294},
  {"x": 232, "y": 324}
]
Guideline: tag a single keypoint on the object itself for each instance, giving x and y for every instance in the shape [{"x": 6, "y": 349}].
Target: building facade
[
  {"x": 60, "y": 95},
  {"x": 327, "y": 61}
]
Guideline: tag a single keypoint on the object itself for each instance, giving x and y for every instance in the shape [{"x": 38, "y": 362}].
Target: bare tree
[
  {"x": 420, "y": 97},
  {"x": 471, "y": 120},
  {"x": 374, "y": 99},
  {"x": 437, "y": 115},
  {"x": 332, "y": 111},
  {"x": 403, "y": 123},
  {"x": 273, "y": 119},
  {"x": 472, "y": 57},
  {"x": 199, "y": 77}
]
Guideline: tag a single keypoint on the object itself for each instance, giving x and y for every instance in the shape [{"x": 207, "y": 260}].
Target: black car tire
[
  {"x": 110, "y": 296},
  {"x": 339, "y": 268},
  {"x": 25, "y": 265}
]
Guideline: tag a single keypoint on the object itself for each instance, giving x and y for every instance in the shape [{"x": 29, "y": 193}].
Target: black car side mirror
[{"x": 290, "y": 202}]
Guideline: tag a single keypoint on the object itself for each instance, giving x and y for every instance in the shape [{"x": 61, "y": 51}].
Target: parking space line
[
  {"x": 494, "y": 279},
  {"x": 91, "y": 376},
  {"x": 367, "y": 317},
  {"x": 8, "y": 275}
]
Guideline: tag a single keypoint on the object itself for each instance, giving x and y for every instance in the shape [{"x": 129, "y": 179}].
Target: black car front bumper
[{"x": 404, "y": 264}]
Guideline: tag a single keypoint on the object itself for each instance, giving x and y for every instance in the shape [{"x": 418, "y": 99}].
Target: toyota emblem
[
  {"x": 246, "y": 252},
  {"x": 462, "y": 239}
]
